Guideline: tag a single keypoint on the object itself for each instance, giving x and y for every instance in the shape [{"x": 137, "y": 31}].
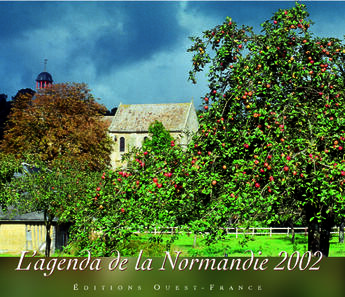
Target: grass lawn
[{"x": 237, "y": 247}]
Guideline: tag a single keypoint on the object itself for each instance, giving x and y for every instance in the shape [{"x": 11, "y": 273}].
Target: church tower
[{"x": 44, "y": 79}]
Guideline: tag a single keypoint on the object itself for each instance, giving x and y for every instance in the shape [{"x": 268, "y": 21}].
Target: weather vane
[{"x": 45, "y": 64}]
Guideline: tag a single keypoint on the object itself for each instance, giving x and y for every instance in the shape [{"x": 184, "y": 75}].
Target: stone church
[{"x": 129, "y": 126}]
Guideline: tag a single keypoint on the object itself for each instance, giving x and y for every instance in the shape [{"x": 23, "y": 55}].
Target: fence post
[
  {"x": 236, "y": 232},
  {"x": 271, "y": 232}
]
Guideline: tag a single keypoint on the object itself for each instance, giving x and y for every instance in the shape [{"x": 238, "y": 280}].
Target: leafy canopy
[
  {"x": 159, "y": 138},
  {"x": 63, "y": 121}
]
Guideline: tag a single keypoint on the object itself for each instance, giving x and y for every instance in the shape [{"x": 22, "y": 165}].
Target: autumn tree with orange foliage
[{"x": 60, "y": 122}]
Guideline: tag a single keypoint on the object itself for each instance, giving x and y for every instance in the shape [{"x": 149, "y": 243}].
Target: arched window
[
  {"x": 145, "y": 138},
  {"x": 122, "y": 144}
]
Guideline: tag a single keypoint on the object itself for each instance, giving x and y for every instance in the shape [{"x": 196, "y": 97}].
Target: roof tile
[{"x": 138, "y": 117}]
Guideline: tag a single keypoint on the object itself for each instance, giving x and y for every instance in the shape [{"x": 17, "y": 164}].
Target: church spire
[{"x": 44, "y": 79}]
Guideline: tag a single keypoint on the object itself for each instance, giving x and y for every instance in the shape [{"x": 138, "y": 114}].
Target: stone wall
[{"x": 18, "y": 237}]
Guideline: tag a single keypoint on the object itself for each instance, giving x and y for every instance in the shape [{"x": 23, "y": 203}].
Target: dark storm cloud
[
  {"x": 108, "y": 35},
  {"x": 147, "y": 28},
  {"x": 327, "y": 15},
  {"x": 242, "y": 12},
  {"x": 133, "y": 52},
  {"x": 16, "y": 19},
  {"x": 17, "y": 22}
]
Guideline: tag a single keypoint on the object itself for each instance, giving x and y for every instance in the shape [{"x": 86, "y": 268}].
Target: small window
[
  {"x": 122, "y": 144},
  {"x": 145, "y": 138}
]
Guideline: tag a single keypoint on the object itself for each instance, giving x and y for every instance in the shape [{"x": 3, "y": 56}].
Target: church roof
[
  {"x": 138, "y": 117},
  {"x": 44, "y": 76}
]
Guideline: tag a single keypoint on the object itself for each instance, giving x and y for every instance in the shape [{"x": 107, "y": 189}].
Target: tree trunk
[
  {"x": 341, "y": 233},
  {"x": 313, "y": 236},
  {"x": 48, "y": 223},
  {"x": 319, "y": 235},
  {"x": 324, "y": 240},
  {"x": 292, "y": 233}
]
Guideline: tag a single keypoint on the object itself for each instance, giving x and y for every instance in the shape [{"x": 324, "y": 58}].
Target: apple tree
[
  {"x": 57, "y": 192},
  {"x": 272, "y": 130},
  {"x": 153, "y": 192}
]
